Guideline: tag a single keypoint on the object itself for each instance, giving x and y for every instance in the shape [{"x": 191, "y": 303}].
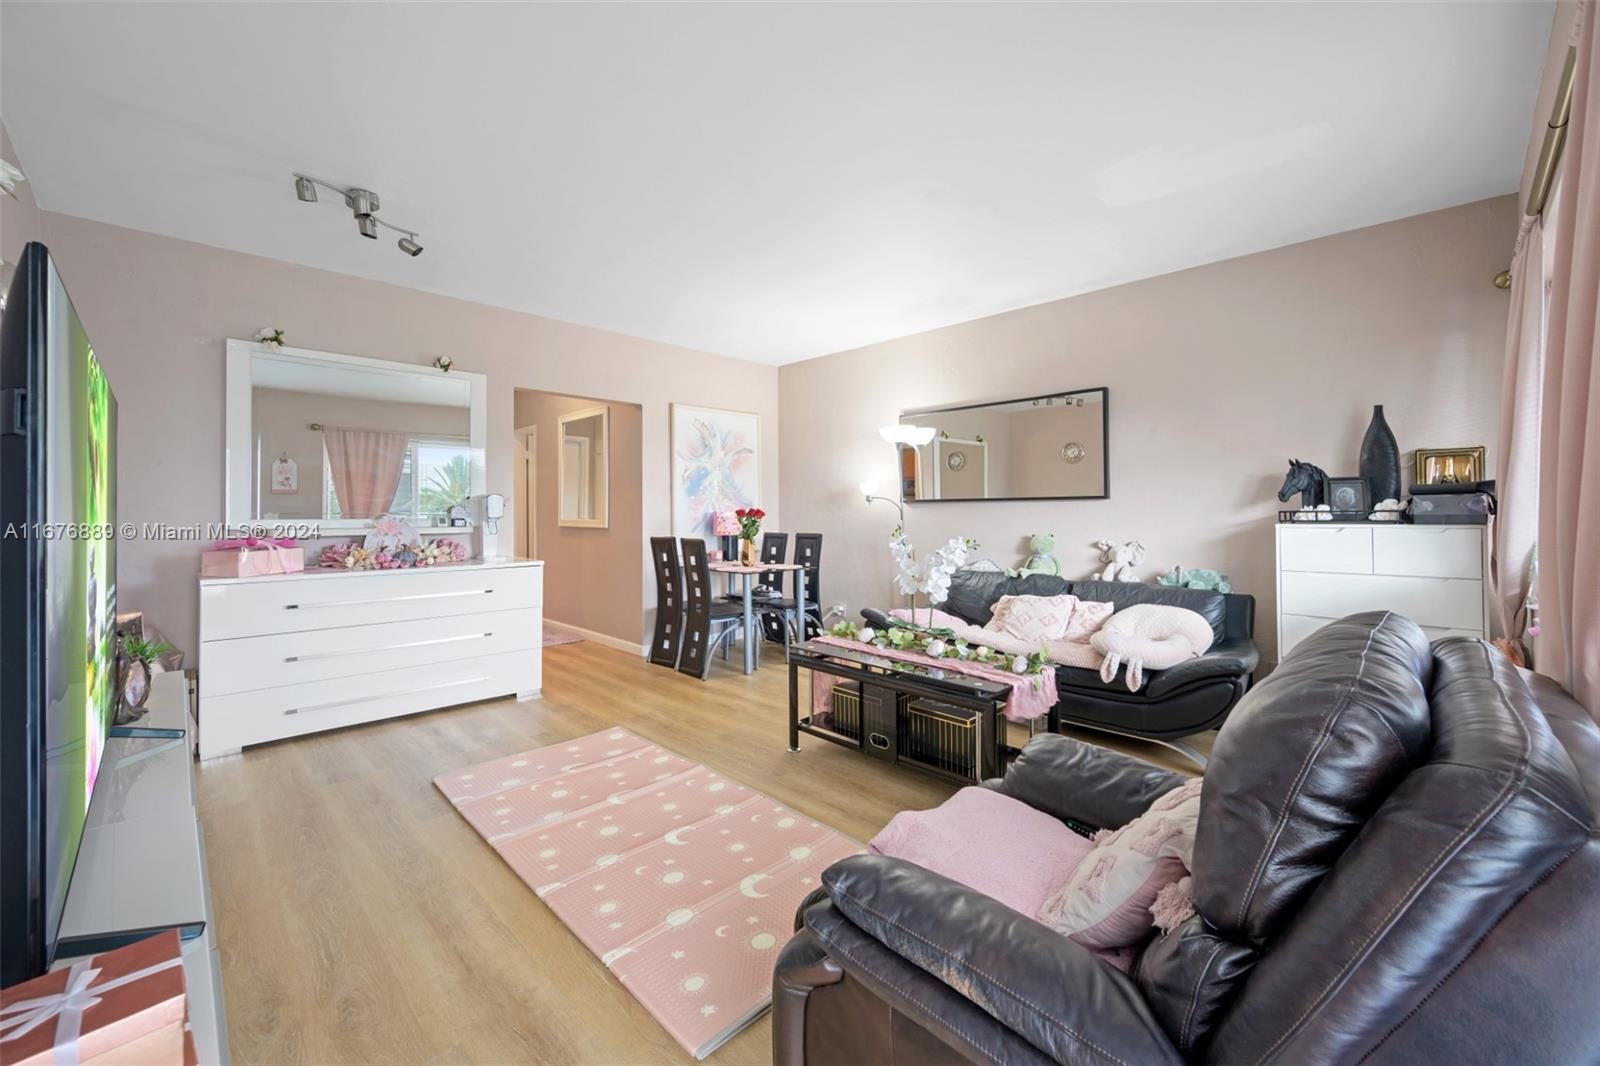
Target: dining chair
[
  {"x": 781, "y": 618},
  {"x": 668, "y": 639},
  {"x": 708, "y": 621}
]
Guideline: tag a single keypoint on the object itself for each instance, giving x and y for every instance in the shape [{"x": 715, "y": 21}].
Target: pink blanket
[{"x": 1032, "y": 695}]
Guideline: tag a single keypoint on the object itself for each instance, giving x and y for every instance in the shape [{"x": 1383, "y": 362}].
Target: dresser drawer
[
  {"x": 247, "y": 663},
  {"x": 292, "y": 604},
  {"x": 1296, "y": 627},
  {"x": 1331, "y": 550},
  {"x": 1429, "y": 551},
  {"x": 1428, "y": 601},
  {"x": 231, "y": 721}
]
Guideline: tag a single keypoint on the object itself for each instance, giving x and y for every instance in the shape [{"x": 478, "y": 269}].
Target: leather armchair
[{"x": 1394, "y": 863}]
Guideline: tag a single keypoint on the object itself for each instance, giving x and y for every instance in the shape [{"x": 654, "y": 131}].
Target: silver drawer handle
[
  {"x": 387, "y": 599},
  {"x": 878, "y": 740},
  {"x": 385, "y": 695},
  {"x": 386, "y": 647}
]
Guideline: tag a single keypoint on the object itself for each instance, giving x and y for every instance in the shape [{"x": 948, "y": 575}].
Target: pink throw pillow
[
  {"x": 991, "y": 843},
  {"x": 1105, "y": 902},
  {"x": 1087, "y": 620},
  {"x": 1035, "y": 619}
]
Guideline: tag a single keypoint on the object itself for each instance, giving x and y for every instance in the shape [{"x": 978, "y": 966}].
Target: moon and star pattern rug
[{"x": 682, "y": 881}]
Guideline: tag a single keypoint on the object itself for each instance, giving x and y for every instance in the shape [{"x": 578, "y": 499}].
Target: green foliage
[
  {"x": 146, "y": 651},
  {"x": 447, "y": 486}
]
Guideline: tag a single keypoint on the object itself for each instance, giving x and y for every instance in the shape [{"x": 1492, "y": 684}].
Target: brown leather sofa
[{"x": 1397, "y": 861}]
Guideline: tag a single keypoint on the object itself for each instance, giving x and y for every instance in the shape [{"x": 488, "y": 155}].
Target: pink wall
[
  {"x": 158, "y": 311},
  {"x": 1218, "y": 375}
]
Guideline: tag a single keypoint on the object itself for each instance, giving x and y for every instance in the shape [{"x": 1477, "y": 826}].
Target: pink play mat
[{"x": 683, "y": 882}]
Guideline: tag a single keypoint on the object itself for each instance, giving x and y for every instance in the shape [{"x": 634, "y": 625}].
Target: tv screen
[{"x": 58, "y": 602}]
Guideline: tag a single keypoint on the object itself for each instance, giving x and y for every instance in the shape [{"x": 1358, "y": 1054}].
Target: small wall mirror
[
  {"x": 585, "y": 469},
  {"x": 332, "y": 441},
  {"x": 1053, "y": 447}
]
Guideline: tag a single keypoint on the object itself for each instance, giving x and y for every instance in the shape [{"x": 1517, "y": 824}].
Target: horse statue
[{"x": 1311, "y": 482}]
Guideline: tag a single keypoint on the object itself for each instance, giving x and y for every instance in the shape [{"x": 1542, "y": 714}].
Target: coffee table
[{"x": 934, "y": 720}]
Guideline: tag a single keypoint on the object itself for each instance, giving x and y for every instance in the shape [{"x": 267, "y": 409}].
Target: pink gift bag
[{"x": 251, "y": 557}]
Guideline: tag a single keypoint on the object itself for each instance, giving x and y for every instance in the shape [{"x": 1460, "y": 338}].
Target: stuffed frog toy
[{"x": 1041, "y": 561}]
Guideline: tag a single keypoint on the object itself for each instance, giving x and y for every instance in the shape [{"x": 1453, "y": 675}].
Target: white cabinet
[
  {"x": 1434, "y": 575},
  {"x": 299, "y": 653}
]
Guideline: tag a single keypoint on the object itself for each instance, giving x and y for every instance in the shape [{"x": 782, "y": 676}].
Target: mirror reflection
[
  {"x": 342, "y": 442},
  {"x": 585, "y": 471},
  {"x": 1040, "y": 447}
]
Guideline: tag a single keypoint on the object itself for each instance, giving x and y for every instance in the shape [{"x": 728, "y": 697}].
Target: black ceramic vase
[{"x": 1380, "y": 459}]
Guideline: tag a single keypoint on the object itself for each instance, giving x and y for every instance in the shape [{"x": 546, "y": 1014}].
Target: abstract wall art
[{"x": 716, "y": 466}]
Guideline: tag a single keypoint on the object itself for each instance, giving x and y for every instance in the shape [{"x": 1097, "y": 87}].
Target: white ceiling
[{"x": 770, "y": 181}]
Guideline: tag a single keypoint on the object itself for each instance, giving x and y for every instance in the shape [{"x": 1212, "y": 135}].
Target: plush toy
[
  {"x": 1041, "y": 561},
  {"x": 1120, "y": 560},
  {"x": 1149, "y": 635},
  {"x": 1195, "y": 579}
]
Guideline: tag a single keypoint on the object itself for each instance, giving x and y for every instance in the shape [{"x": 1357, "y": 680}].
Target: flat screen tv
[{"x": 58, "y": 602}]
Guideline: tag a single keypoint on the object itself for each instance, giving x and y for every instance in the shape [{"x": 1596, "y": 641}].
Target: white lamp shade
[
  {"x": 869, "y": 488},
  {"x": 905, "y": 433}
]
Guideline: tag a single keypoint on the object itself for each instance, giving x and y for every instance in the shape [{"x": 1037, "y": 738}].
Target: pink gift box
[{"x": 249, "y": 560}]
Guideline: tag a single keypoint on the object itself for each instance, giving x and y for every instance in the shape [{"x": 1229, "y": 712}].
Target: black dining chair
[
  {"x": 668, "y": 638},
  {"x": 708, "y": 621},
  {"x": 780, "y": 618}
]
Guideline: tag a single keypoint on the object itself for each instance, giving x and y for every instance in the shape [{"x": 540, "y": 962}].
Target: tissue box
[
  {"x": 252, "y": 562},
  {"x": 129, "y": 1005}
]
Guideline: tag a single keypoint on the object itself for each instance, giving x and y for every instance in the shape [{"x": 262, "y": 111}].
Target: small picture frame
[
  {"x": 1349, "y": 494},
  {"x": 1450, "y": 466}
]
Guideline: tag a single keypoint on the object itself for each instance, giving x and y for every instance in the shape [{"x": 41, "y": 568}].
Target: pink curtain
[
  {"x": 1552, "y": 402},
  {"x": 1516, "y": 527},
  {"x": 366, "y": 465}
]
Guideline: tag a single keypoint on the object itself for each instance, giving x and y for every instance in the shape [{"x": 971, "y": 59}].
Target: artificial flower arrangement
[
  {"x": 270, "y": 337},
  {"x": 939, "y": 643},
  {"x": 749, "y": 529},
  {"x": 352, "y": 556},
  {"x": 932, "y": 576}
]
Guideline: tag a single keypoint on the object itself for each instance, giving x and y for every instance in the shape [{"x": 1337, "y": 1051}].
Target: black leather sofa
[
  {"x": 1189, "y": 698},
  {"x": 1396, "y": 861}
]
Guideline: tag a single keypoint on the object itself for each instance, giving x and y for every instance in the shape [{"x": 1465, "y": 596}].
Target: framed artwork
[
  {"x": 1448, "y": 466},
  {"x": 1348, "y": 494},
  {"x": 716, "y": 466}
]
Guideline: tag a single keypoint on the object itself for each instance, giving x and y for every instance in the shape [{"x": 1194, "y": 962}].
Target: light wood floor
[{"x": 361, "y": 920}]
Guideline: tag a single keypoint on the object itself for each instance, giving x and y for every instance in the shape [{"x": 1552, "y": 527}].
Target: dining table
[{"x": 733, "y": 569}]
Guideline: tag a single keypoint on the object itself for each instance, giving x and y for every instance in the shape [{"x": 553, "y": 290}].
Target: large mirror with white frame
[
  {"x": 318, "y": 439},
  {"x": 1052, "y": 447},
  {"x": 585, "y": 470}
]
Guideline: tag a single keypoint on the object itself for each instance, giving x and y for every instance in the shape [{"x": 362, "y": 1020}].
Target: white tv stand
[{"x": 142, "y": 865}]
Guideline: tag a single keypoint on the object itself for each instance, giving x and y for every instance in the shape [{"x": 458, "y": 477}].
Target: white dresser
[
  {"x": 298, "y": 653},
  {"x": 1434, "y": 575}
]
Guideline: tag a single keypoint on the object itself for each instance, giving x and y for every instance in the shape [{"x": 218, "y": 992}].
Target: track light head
[
  {"x": 409, "y": 246},
  {"x": 367, "y": 225},
  {"x": 361, "y": 201},
  {"x": 305, "y": 189}
]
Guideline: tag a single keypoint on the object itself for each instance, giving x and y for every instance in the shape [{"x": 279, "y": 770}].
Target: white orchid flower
[{"x": 936, "y": 647}]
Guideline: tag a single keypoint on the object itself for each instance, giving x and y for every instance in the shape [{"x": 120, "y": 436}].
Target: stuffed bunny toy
[{"x": 1120, "y": 560}]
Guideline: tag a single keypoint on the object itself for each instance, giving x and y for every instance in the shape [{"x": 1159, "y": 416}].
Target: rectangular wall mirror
[
  {"x": 585, "y": 469},
  {"x": 336, "y": 440},
  {"x": 1052, "y": 447}
]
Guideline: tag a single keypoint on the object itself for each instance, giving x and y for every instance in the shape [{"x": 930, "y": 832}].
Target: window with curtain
[{"x": 435, "y": 475}]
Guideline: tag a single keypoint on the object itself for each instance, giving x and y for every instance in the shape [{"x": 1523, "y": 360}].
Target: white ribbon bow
[{"x": 26, "y": 1015}]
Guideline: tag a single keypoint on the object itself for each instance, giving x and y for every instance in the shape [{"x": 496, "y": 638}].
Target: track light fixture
[{"x": 363, "y": 204}]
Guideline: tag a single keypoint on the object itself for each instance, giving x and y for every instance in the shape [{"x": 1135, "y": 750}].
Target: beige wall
[
  {"x": 20, "y": 218},
  {"x": 1218, "y": 375},
  {"x": 593, "y": 577},
  {"x": 282, "y": 421},
  {"x": 158, "y": 311}
]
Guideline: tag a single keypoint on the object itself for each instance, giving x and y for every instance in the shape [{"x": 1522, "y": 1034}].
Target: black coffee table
[{"x": 935, "y": 720}]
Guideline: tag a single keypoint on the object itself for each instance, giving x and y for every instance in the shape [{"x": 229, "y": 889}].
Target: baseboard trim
[{"x": 604, "y": 639}]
